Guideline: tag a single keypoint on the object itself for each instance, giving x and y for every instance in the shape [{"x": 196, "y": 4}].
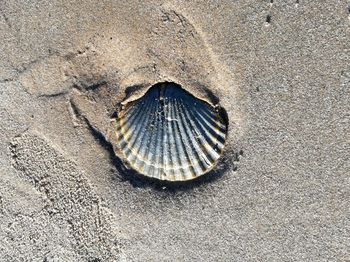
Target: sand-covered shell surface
[{"x": 169, "y": 134}]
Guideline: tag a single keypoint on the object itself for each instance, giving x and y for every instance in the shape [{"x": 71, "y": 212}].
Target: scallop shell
[{"x": 169, "y": 134}]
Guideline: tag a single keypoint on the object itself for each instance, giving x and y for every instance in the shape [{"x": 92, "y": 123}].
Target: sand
[{"x": 279, "y": 68}]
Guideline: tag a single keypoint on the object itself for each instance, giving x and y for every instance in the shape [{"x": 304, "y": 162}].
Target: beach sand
[{"x": 281, "y": 71}]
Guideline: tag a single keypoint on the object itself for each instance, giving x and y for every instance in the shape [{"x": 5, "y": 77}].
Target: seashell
[{"x": 169, "y": 134}]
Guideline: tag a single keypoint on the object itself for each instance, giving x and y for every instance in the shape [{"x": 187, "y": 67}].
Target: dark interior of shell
[{"x": 169, "y": 134}]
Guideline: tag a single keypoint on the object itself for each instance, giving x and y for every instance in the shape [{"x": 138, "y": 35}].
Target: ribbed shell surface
[{"x": 168, "y": 134}]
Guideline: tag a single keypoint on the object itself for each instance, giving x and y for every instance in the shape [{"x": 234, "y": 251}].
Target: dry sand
[{"x": 280, "y": 69}]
